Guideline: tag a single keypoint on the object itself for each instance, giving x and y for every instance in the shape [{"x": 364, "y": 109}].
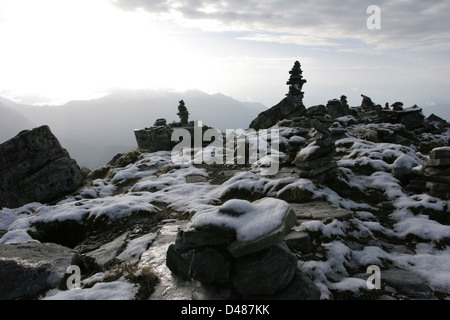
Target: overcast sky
[{"x": 58, "y": 50}]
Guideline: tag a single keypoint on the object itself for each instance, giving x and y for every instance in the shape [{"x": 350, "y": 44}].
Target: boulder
[
  {"x": 35, "y": 167},
  {"x": 258, "y": 225},
  {"x": 402, "y": 167},
  {"x": 318, "y": 110},
  {"x": 155, "y": 139},
  {"x": 264, "y": 272},
  {"x": 30, "y": 268},
  {"x": 288, "y": 108},
  {"x": 211, "y": 266}
]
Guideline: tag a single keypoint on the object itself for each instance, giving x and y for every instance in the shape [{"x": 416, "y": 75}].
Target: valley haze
[{"x": 94, "y": 131}]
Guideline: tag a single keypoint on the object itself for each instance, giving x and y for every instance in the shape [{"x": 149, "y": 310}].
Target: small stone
[
  {"x": 196, "y": 179},
  {"x": 298, "y": 241}
]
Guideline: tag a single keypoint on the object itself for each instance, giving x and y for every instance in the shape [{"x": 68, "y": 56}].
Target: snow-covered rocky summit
[{"x": 357, "y": 190}]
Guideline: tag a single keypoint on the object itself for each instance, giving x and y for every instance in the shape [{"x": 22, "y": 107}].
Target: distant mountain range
[{"x": 94, "y": 131}]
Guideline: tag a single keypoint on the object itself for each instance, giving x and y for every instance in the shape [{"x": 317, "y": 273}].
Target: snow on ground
[
  {"x": 116, "y": 290},
  {"x": 249, "y": 220},
  {"x": 365, "y": 166}
]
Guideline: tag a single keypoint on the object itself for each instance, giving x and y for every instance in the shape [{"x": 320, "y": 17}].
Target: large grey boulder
[
  {"x": 35, "y": 167},
  {"x": 30, "y": 268},
  {"x": 155, "y": 138}
]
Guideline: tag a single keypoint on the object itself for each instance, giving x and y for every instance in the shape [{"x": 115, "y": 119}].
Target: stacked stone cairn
[
  {"x": 315, "y": 162},
  {"x": 434, "y": 176},
  {"x": 338, "y": 108},
  {"x": 289, "y": 108},
  {"x": 237, "y": 251}
]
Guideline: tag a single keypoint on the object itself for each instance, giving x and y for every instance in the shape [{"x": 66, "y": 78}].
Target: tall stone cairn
[
  {"x": 296, "y": 81},
  {"x": 183, "y": 113}
]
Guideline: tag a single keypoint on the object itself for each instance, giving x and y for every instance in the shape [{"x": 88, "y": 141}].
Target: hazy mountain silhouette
[
  {"x": 93, "y": 131},
  {"x": 11, "y": 120}
]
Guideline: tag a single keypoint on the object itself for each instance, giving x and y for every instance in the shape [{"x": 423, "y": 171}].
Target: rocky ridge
[{"x": 357, "y": 187}]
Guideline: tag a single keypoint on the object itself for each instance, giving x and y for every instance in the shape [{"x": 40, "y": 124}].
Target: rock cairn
[
  {"x": 338, "y": 108},
  {"x": 296, "y": 81},
  {"x": 434, "y": 176},
  {"x": 159, "y": 136},
  {"x": 315, "y": 162},
  {"x": 288, "y": 108},
  {"x": 237, "y": 250},
  {"x": 183, "y": 113}
]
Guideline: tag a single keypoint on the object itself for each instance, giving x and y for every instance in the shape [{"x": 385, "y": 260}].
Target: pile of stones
[
  {"x": 238, "y": 251},
  {"x": 315, "y": 162},
  {"x": 434, "y": 176},
  {"x": 338, "y": 108}
]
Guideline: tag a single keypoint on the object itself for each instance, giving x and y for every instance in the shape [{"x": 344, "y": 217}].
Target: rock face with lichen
[{"x": 35, "y": 167}]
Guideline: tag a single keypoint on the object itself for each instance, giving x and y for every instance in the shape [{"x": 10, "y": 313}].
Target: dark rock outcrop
[
  {"x": 288, "y": 108},
  {"x": 155, "y": 139},
  {"x": 29, "y": 268},
  {"x": 35, "y": 167}
]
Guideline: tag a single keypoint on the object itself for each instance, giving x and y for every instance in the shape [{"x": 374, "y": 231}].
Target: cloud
[
  {"x": 305, "y": 40},
  {"x": 405, "y": 24}
]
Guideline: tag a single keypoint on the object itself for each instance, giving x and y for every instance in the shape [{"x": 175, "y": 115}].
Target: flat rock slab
[
  {"x": 319, "y": 211},
  {"x": 105, "y": 255},
  {"x": 196, "y": 178},
  {"x": 406, "y": 282},
  {"x": 30, "y": 268}
]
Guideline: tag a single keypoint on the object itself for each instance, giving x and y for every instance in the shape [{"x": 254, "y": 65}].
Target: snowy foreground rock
[{"x": 238, "y": 251}]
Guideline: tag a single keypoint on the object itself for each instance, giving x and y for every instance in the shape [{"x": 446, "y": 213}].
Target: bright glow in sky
[{"x": 58, "y": 50}]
